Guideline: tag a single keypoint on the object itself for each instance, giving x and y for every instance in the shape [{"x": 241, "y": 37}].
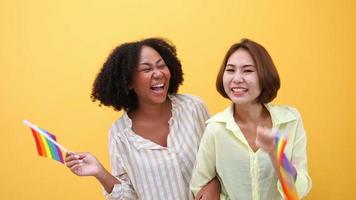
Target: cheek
[
  {"x": 226, "y": 79},
  {"x": 252, "y": 79},
  {"x": 226, "y": 82},
  {"x": 254, "y": 82},
  {"x": 166, "y": 72},
  {"x": 141, "y": 80},
  {"x": 168, "y": 75}
]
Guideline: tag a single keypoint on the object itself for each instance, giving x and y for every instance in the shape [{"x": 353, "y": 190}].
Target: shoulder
[
  {"x": 286, "y": 109},
  {"x": 187, "y": 99},
  {"x": 215, "y": 126},
  {"x": 221, "y": 120},
  {"x": 119, "y": 127},
  {"x": 222, "y": 117},
  {"x": 283, "y": 113}
]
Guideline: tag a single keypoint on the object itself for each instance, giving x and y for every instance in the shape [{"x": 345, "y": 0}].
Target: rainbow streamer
[
  {"x": 286, "y": 171},
  {"x": 46, "y": 143}
]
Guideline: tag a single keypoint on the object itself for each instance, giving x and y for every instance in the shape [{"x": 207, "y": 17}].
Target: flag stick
[{"x": 32, "y": 126}]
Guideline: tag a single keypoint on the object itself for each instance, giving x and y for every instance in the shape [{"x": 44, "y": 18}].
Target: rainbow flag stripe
[
  {"x": 45, "y": 147},
  {"x": 286, "y": 171}
]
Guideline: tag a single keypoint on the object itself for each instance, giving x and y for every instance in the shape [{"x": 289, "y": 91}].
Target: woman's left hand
[
  {"x": 211, "y": 191},
  {"x": 265, "y": 139}
]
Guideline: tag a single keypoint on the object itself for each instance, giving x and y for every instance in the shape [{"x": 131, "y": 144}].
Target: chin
[
  {"x": 239, "y": 100},
  {"x": 159, "y": 100}
]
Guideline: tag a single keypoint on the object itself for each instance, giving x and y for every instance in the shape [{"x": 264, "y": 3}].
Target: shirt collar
[
  {"x": 140, "y": 142},
  {"x": 279, "y": 116}
]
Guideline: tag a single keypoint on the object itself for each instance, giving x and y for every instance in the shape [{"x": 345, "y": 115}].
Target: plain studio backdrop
[{"x": 51, "y": 51}]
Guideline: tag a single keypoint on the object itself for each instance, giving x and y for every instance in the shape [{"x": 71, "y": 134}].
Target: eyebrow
[{"x": 243, "y": 66}]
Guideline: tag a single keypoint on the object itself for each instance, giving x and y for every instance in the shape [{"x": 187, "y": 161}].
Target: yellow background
[{"x": 50, "y": 52}]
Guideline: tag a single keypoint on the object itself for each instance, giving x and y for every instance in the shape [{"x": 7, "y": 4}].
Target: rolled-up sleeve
[
  {"x": 204, "y": 170},
  {"x": 201, "y": 114},
  {"x": 303, "y": 182},
  {"x": 124, "y": 190}
]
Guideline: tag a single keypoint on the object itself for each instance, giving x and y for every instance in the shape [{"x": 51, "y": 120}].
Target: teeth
[
  {"x": 238, "y": 89},
  {"x": 158, "y": 85}
]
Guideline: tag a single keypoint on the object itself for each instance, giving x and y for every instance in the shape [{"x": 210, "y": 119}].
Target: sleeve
[
  {"x": 202, "y": 114},
  {"x": 303, "y": 182},
  {"x": 124, "y": 190},
  {"x": 204, "y": 170}
]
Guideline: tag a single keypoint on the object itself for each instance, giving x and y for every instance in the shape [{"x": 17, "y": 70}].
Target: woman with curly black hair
[{"x": 153, "y": 145}]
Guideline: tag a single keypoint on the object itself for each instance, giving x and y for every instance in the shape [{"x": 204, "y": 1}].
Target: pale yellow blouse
[{"x": 244, "y": 174}]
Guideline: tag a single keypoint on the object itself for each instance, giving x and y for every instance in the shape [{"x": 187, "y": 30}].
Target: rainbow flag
[
  {"x": 46, "y": 143},
  {"x": 286, "y": 170}
]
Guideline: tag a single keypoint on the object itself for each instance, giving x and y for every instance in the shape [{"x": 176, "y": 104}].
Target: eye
[
  {"x": 145, "y": 69},
  {"x": 230, "y": 69},
  {"x": 162, "y": 66},
  {"x": 248, "y": 70}
]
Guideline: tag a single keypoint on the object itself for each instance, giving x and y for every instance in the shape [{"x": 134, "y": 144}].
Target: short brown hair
[{"x": 266, "y": 70}]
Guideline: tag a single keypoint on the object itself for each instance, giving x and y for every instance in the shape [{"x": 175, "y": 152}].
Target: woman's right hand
[{"x": 83, "y": 164}]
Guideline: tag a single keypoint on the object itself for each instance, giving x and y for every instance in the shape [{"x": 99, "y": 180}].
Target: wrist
[
  {"x": 273, "y": 153},
  {"x": 106, "y": 179},
  {"x": 101, "y": 173}
]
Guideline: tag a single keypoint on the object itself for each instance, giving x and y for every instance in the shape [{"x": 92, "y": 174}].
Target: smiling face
[
  {"x": 240, "y": 78},
  {"x": 151, "y": 78}
]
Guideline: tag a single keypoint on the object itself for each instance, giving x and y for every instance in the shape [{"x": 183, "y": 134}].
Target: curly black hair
[{"x": 111, "y": 86}]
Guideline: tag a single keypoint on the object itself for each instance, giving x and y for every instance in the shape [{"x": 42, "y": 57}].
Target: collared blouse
[
  {"x": 147, "y": 170},
  {"x": 243, "y": 173}
]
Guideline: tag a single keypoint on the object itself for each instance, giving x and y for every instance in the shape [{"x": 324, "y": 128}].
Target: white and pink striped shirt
[{"x": 147, "y": 170}]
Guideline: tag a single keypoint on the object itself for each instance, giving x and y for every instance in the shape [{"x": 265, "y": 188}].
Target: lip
[
  {"x": 158, "y": 88},
  {"x": 238, "y": 91},
  {"x": 158, "y": 85}
]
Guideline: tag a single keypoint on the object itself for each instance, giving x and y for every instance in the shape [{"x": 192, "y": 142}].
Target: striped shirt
[{"x": 147, "y": 170}]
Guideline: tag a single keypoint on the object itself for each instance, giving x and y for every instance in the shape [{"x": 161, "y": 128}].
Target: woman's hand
[
  {"x": 83, "y": 164},
  {"x": 211, "y": 191},
  {"x": 266, "y": 139}
]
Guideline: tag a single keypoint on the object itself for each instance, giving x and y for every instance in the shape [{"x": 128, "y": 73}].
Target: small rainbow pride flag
[
  {"x": 46, "y": 143},
  {"x": 286, "y": 170}
]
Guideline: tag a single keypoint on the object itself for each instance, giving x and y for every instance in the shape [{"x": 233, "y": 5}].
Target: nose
[
  {"x": 157, "y": 73},
  {"x": 238, "y": 78}
]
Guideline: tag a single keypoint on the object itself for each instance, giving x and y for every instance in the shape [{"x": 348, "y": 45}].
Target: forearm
[{"x": 106, "y": 179}]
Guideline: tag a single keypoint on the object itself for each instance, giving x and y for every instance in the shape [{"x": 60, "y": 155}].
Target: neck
[
  {"x": 251, "y": 113},
  {"x": 150, "y": 111}
]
